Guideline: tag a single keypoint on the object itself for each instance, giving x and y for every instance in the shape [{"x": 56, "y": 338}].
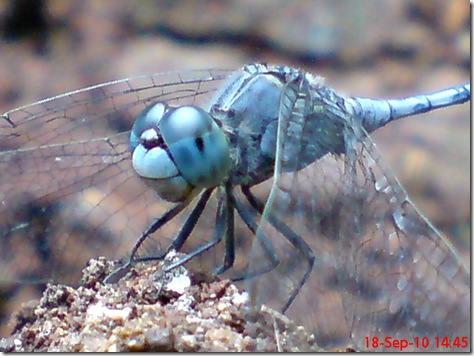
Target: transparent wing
[
  {"x": 380, "y": 268},
  {"x": 67, "y": 189}
]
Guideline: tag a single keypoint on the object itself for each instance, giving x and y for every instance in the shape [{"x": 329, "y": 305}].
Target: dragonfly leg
[
  {"x": 185, "y": 231},
  {"x": 292, "y": 237},
  {"x": 221, "y": 226},
  {"x": 190, "y": 223},
  {"x": 248, "y": 217},
  {"x": 155, "y": 225},
  {"x": 229, "y": 250}
]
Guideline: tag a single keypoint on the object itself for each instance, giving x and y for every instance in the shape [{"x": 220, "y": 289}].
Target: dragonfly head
[{"x": 179, "y": 150}]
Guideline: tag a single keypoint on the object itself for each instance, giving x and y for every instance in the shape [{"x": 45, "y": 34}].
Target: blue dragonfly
[{"x": 267, "y": 165}]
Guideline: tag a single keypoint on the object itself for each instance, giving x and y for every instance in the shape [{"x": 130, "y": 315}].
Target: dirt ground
[{"x": 151, "y": 310}]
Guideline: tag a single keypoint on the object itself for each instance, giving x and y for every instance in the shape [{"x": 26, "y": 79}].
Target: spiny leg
[
  {"x": 248, "y": 217},
  {"x": 190, "y": 223},
  {"x": 292, "y": 237},
  {"x": 221, "y": 226},
  {"x": 229, "y": 256},
  {"x": 185, "y": 231},
  {"x": 155, "y": 225}
]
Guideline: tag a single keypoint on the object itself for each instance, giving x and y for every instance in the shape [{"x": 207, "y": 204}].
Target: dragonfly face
[
  {"x": 335, "y": 242},
  {"x": 178, "y": 150}
]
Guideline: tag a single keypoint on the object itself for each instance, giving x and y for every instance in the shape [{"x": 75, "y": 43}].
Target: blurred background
[{"x": 373, "y": 48}]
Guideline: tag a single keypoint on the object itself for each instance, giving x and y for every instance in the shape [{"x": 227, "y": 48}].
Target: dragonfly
[{"x": 266, "y": 174}]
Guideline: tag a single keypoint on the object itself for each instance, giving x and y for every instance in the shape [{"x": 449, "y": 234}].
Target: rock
[{"x": 151, "y": 310}]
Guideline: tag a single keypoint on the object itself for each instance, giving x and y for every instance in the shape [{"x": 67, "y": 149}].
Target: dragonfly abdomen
[{"x": 373, "y": 114}]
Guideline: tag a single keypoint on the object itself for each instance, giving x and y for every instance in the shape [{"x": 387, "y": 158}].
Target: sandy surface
[{"x": 151, "y": 310}]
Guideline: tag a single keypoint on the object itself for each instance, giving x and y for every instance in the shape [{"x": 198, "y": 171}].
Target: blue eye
[{"x": 182, "y": 147}]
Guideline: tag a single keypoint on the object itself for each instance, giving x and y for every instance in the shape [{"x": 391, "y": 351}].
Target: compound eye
[
  {"x": 151, "y": 159},
  {"x": 159, "y": 171},
  {"x": 178, "y": 151},
  {"x": 198, "y": 146}
]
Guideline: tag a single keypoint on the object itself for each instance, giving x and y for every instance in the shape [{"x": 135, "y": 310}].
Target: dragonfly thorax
[
  {"x": 178, "y": 150},
  {"x": 252, "y": 108}
]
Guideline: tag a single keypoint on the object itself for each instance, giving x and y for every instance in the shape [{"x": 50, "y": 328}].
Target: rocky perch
[{"x": 150, "y": 310}]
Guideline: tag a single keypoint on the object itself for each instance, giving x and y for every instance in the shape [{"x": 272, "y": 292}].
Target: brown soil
[{"x": 151, "y": 310}]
